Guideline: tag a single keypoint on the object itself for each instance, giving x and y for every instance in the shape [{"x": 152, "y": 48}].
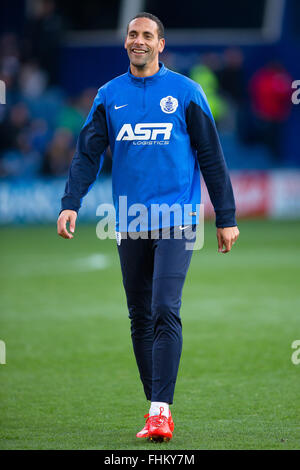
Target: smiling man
[
  {"x": 162, "y": 134},
  {"x": 144, "y": 41}
]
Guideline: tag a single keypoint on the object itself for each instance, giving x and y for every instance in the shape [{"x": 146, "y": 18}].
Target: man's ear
[
  {"x": 125, "y": 43},
  {"x": 161, "y": 46}
]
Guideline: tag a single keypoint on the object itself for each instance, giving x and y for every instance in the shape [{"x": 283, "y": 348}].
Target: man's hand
[
  {"x": 64, "y": 217},
  {"x": 226, "y": 236}
]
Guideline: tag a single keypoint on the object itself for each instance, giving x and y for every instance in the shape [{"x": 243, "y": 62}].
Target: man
[{"x": 161, "y": 133}]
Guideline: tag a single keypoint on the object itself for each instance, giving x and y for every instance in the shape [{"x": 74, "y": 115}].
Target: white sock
[{"x": 156, "y": 406}]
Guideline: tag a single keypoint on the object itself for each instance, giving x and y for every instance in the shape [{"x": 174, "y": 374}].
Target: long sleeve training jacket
[{"x": 161, "y": 133}]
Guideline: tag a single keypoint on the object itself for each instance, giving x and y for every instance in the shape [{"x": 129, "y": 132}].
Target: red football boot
[
  {"x": 159, "y": 427},
  {"x": 171, "y": 422},
  {"x": 145, "y": 431}
]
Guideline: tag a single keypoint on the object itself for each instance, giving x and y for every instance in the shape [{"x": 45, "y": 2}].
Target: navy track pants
[{"x": 153, "y": 273}]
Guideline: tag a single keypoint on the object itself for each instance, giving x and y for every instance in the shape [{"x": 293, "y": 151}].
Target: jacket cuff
[
  {"x": 68, "y": 203},
  {"x": 225, "y": 218}
]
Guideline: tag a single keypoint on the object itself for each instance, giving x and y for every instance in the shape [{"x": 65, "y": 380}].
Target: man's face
[{"x": 142, "y": 42}]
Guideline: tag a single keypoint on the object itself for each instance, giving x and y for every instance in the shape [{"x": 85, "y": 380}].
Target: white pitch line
[
  {"x": 56, "y": 265},
  {"x": 92, "y": 262}
]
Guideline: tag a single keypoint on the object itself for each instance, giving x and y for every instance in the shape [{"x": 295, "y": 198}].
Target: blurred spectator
[
  {"x": 9, "y": 65},
  {"x": 169, "y": 59},
  {"x": 85, "y": 100},
  {"x": 74, "y": 112},
  {"x": 59, "y": 153},
  {"x": 17, "y": 121},
  {"x": 231, "y": 75},
  {"x": 40, "y": 135},
  {"x": 22, "y": 161},
  {"x": 71, "y": 117},
  {"x": 270, "y": 90},
  {"x": 32, "y": 80},
  {"x": 234, "y": 90},
  {"x": 43, "y": 37},
  {"x": 19, "y": 158},
  {"x": 270, "y": 93},
  {"x": 205, "y": 73}
]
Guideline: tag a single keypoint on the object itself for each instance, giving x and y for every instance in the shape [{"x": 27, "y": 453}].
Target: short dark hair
[{"x": 160, "y": 26}]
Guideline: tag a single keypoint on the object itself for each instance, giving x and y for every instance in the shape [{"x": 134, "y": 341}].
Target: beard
[{"x": 139, "y": 63}]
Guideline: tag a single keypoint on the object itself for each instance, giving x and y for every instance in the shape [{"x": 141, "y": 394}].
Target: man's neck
[{"x": 144, "y": 71}]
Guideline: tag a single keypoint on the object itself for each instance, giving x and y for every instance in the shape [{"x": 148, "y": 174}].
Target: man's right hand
[{"x": 64, "y": 217}]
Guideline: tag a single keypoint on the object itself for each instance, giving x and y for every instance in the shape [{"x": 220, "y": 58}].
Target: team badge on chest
[{"x": 169, "y": 104}]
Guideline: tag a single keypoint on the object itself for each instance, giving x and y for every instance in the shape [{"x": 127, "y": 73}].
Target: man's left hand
[{"x": 227, "y": 236}]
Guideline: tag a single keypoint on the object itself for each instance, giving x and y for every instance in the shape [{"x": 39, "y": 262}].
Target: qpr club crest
[{"x": 169, "y": 104}]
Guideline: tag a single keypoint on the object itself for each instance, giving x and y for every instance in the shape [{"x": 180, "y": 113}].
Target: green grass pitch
[{"x": 71, "y": 382}]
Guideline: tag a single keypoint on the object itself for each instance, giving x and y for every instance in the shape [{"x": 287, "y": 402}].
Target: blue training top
[{"x": 161, "y": 133}]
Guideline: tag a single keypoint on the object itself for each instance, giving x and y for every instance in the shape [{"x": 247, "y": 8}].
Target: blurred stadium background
[
  {"x": 54, "y": 57},
  {"x": 62, "y": 304}
]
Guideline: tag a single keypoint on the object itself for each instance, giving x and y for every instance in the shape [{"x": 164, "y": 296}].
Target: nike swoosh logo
[
  {"x": 118, "y": 107},
  {"x": 182, "y": 228}
]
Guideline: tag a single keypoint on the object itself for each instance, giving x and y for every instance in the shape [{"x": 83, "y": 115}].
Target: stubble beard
[{"x": 141, "y": 65}]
